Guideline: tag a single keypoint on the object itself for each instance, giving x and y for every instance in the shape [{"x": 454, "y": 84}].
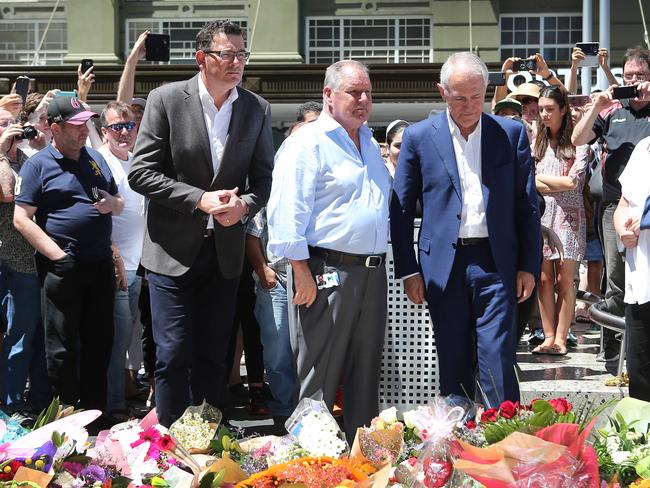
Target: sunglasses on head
[{"x": 120, "y": 126}]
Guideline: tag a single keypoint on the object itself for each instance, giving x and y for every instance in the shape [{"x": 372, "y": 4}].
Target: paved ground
[{"x": 577, "y": 375}]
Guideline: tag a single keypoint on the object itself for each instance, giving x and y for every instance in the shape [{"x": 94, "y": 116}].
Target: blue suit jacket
[{"x": 427, "y": 169}]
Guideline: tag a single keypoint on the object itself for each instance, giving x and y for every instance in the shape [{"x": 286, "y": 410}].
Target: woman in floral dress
[{"x": 560, "y": 173}]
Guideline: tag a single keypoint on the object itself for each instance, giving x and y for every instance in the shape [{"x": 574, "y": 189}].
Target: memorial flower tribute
[{"x": 450, "y": 442}]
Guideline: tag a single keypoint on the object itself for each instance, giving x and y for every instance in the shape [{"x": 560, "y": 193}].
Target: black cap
[{"x": 68, "y": 109}]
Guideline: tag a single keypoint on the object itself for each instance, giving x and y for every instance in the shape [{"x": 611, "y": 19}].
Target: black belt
[
  {"x": 338, "y": 257},
  {"x": 472, "y": 241}
]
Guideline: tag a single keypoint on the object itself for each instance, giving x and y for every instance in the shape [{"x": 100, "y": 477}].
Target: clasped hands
[{"x": 224, "y": 205}]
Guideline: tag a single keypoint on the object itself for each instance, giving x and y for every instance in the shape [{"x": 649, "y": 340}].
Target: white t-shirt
[
  {"x": 129, "y": 226},
  {"x": 635, "y": 185}
]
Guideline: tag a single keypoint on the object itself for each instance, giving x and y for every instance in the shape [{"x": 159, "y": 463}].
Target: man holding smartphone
[{"x": 620, "y": 125}]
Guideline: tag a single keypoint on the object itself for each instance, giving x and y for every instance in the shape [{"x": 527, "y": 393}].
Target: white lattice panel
[{"x": 409, "y": 366}]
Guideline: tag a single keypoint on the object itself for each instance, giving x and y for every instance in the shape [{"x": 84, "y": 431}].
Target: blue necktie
[{"x": 645, "y": 218}]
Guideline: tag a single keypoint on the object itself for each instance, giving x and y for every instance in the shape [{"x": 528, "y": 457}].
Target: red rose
[
  {"x": 470, "y": 424},
  {"x": 561, "y": 405},
  {"x": 508, "y": 409},
  {"x": 490, "y": 415}
]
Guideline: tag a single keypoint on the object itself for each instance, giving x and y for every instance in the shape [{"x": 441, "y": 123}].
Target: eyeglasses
[
  {"x": 638, "y": 76},
  {"x": 120, "y": 126},
  {"x": 230, "y": 55}
]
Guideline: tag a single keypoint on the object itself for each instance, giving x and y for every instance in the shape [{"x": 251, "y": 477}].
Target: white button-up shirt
[
  {"x": 468, "y": 161},
  {"x": 327, "y": 193},
  {"x": 217, "y": 122}
]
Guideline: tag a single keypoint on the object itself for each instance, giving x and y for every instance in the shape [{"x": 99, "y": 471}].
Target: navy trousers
[
  {"x": 192, "y": 318},
  {"x": 475, "y": 330}
]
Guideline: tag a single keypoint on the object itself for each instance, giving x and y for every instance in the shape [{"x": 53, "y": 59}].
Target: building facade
[{"x": 405, "y": 41}]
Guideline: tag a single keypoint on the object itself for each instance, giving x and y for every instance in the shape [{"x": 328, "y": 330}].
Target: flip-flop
[
  {"x": 542, "y": 350},
  {"x": 556, "y": 350}
]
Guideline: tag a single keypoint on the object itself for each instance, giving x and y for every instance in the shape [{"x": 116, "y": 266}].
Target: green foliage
[{"x": 48, "y": 415}]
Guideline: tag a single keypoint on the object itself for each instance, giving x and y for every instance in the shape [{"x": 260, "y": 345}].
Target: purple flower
[{"x": 92, "y": 473}]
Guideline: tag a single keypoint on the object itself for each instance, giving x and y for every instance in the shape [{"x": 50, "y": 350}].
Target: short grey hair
[
  {"x": 470, "y": 63},
  {"x": 334, "y": 72}
]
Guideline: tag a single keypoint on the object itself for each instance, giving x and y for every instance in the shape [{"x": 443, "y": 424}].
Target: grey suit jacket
[{"x": 172, "y": 167}]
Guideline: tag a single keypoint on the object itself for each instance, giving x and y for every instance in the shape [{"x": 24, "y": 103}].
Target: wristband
[{"x": 550, "y": 75}]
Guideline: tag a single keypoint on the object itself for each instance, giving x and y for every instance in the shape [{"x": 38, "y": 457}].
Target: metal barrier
[
  {"x": 607, "y": 320},
  {"x": 409, "y": 366}
]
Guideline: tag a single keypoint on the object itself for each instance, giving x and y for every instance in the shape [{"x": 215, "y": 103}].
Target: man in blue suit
[{"x": 479, "y": 243}]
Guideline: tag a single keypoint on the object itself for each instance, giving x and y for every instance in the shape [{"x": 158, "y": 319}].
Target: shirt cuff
[
  {"x": 294, "y": 250},
  {"x": 409, "y": 275}
]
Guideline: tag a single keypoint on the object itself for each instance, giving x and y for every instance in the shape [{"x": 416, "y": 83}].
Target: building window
[
  {"x": 376, "y": 39},
  {"x": 182, "y": 35},
  {"x": 551, "y": 35},
  {"x": 20, "y": 41}
]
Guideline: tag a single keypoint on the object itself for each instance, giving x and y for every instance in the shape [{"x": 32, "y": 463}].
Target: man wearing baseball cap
[{"x": 70, "y": 191}]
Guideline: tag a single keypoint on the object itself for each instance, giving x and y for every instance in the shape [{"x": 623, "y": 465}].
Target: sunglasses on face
[{"x": 120, "y": 126}]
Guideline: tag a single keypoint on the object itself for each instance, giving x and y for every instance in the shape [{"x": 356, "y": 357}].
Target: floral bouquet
[
  {"x": 315, "y": 430},
  {"x": 428, "y": 433},
  {"x": 624, "y": 449},
  {"x": 312, "y": 472},
  {"x": 497, "y": 423},
  {"x": 197, "y": 427},
  {"x": 383, "y": 441}
]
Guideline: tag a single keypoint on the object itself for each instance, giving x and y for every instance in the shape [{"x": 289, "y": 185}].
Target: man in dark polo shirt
[
  {"x": 71, "y": 192},
  {"x": 620, "y": 125}
]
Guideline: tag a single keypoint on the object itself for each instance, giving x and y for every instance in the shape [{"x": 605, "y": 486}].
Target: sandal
[
  {"x": 582, "y": 315},
  {"x": 556, "y": 350},
  {"x": 542, "y": 349}
]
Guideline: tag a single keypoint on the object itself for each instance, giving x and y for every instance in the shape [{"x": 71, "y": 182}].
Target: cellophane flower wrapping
[
  {"x": 197, "y": 426},
  {"x": 312, "y": 426},
  {"x": 431, "y": 465},
  {"x": 382, "y": 443}
]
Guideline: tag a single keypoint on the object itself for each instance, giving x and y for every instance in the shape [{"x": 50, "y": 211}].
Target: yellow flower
[{"x": 39, "y": 463}]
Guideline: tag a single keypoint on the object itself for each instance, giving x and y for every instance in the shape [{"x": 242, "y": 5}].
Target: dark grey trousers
[{"x": 340, "y": 337}]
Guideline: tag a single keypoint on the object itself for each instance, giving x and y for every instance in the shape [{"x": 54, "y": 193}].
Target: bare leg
[
  {"x": 566, "y": 300},
  {"x": 546, "y": 297}
]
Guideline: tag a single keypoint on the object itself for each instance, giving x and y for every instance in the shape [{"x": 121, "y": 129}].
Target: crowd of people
[{"x": 160, "y": 231}]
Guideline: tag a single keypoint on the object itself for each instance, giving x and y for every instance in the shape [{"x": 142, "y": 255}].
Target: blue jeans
[
  {"x": 23, "y": 347},
  {"x": 271, "y": 311},
  {"x": 124, "y": 316}
]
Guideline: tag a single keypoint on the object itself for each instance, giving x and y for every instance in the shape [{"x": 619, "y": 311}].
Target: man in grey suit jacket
[{"x": 204, "y": 158}]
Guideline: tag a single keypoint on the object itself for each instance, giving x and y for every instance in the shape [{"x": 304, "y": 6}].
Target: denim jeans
[
  {"x": 271, "y": 311},
  {"x": 23, "y": 347},
  {"x": 125, "y": 313}
]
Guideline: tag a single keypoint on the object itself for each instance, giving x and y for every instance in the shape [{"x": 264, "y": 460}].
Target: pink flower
[{"x": 561, "y": 405}]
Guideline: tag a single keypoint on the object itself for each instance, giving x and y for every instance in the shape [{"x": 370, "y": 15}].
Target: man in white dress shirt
[{"x": 328, "y": 214}]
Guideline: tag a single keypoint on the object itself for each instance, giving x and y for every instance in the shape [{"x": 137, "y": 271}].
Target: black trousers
[
  {"x": 637, "y": 329},
  {"x": 245, "y": 316},
  {"x": 192, "y": 318},
  {"x": 78, "y": 316}
]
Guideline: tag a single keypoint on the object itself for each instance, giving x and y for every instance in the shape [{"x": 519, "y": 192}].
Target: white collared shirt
[
  {"x": 635, "y": 187},
  {"x": 328, "y": 193},
  {"x": 217, "y": 122},
  {"x": 468, "y": 161}
]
